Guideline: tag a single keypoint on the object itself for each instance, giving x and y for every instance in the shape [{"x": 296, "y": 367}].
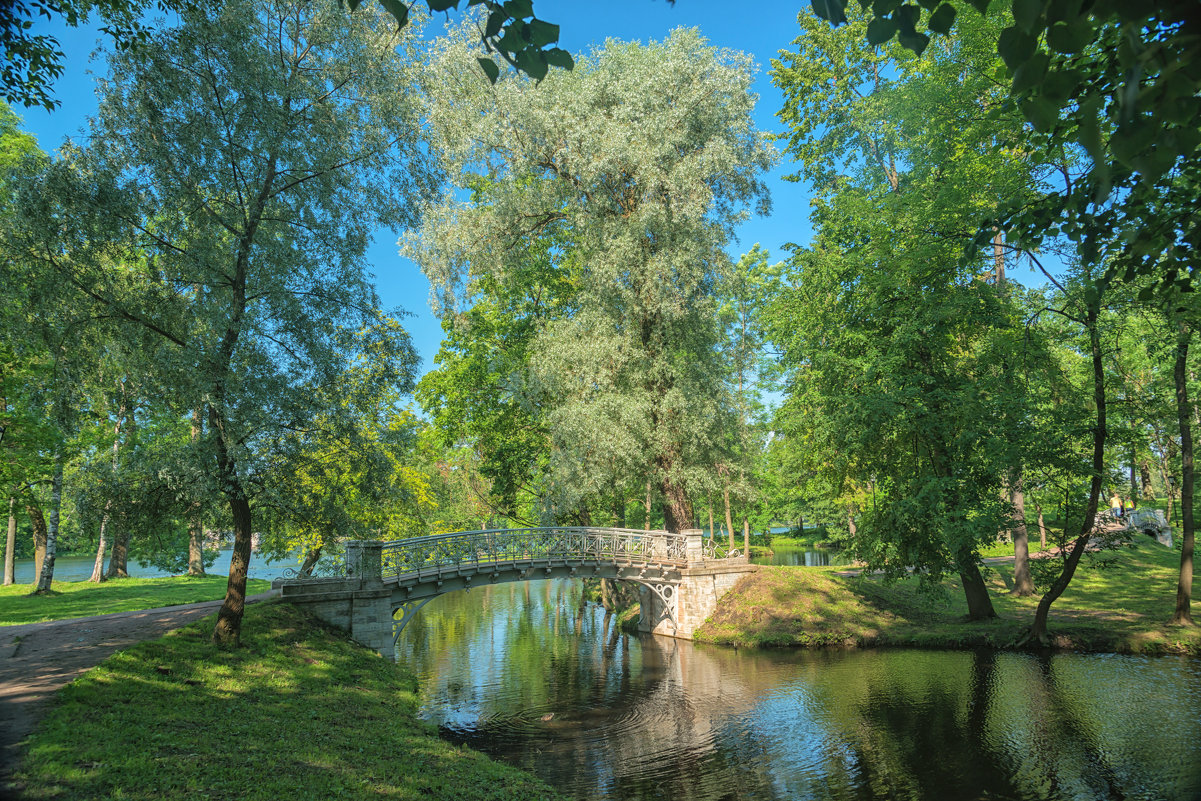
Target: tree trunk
[
  {"x": 98, "y": 568},
  {"x": 310, "y": 561},
  {"x": 195, "y": 524},
  {"x": 38, "y": 523},
  {"x": 851, "y": 520},
  {"x": 1023, "y": 584},
  {"x": 711, "y": 533},
  {"x": 1144, "y": 471},
  {"x": 725, "y": 496},
  {"x": 98, "y": 565},
  {"x": 118, "y": 560},
  {"x": 1038, "y": 631},
  {"x": 746, "y": 537},
  {"x": 979, "y": 604},
  {"x": 1184, "y": 588},
  {"x": 46, "y": 576},
  {"x": 10, "y": 544},
  {"x": 1133, "y": 481},
  {"x": 1042, "y": 527},
  {"x": 646, "y": 515},
  {"x": 228, "y": 630}
]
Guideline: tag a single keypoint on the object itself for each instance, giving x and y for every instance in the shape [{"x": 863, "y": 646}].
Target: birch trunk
[
  {"x": 46, "y": 575},
  {"x": 98, "y": 568}
]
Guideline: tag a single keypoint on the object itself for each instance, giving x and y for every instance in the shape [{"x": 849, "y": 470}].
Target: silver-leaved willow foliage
[{"x": 634, "y": 168}]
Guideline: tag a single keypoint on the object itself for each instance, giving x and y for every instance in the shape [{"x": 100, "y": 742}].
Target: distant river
[{"x": 530, "y": 674}]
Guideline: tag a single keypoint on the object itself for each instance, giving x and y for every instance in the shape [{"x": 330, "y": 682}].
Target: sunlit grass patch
[
  {"x": 297, "y": 713},
  {"x": 1122, "y": 606},
  {"x": 69, "y": 599}
]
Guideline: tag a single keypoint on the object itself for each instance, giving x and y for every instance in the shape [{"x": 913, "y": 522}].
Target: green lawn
[
  {"x": 83, "y": 598},
  {"x": 1121, "y": 607},
  {"x": 297, "y": 713}
]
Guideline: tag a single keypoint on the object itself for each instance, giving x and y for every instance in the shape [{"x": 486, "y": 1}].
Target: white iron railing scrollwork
[{"x": 532, "y": 544}]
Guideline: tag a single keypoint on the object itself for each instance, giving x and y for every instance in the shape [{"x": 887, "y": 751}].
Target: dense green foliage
[{"x": 988, "y": 327}]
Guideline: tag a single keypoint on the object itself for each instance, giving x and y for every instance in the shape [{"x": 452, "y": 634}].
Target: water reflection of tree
[{"x": 660, "y": 719}]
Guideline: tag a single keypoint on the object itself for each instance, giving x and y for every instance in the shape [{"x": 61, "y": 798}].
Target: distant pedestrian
[{"x": 1115, "y": 505}]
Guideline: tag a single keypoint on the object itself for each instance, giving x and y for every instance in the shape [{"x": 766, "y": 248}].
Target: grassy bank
[
  {"x": 298, "y": 713},
  {"x": 1122, "y": 608},
  {"x": 69, "y": 599}
]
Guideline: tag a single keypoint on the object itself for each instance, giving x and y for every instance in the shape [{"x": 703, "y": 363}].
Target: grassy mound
[
  {"x": 1119, "y": 601},
  {"x": 299, "y": 712},
  {"x": 69, "y": 599}
]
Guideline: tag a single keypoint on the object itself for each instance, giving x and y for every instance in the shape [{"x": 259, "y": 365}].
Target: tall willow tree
[
  {"x": 642, "y": 159},
  {"x": 225, "y": 202}
]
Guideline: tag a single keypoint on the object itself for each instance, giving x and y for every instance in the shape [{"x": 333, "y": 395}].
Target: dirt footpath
[{"x": 37, "y": 659}]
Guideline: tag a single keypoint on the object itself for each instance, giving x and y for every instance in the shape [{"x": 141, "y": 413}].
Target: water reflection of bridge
[{"x": 681, "y": 576}]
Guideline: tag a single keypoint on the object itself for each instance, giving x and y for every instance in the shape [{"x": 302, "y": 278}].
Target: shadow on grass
[
  {"x": 70, "y": 599},
  {"x": 298, "y": 712}
]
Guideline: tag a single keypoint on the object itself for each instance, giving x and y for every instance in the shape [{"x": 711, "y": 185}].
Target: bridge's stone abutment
[{"x": 697, "y": 595}]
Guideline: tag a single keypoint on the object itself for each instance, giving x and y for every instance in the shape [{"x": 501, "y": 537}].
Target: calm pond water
[
  {"x": 529, "y": 674},
  {"x": 802, "y": 557},
  {"x": 79, "y": 568}
]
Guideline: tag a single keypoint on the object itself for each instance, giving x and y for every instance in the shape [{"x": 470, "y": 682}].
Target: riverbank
[
  {"x": 298, "y": 712},
  {"x": 1121, "y": 608},
  {"x": 69, "y": 599}
]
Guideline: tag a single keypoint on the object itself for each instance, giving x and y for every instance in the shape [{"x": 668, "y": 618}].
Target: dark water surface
[{"x": 527, "y": 673}]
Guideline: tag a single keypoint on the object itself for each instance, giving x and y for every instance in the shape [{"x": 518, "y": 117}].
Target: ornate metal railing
[
  {"x": 534, "y": 544},
  {"x": 711, "y": 550}
]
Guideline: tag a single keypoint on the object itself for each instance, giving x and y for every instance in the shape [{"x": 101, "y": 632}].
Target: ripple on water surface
[{"x": 529, "y": 675}]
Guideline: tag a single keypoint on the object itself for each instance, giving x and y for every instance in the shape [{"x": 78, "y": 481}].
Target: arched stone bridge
[{"x": 381, "y": 585}]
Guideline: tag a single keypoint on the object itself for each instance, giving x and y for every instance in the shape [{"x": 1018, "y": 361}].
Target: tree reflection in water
[{"x": 650, "y": 717}]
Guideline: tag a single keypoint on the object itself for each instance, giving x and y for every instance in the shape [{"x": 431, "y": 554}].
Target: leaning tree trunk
[
  {"x": 46, "y": 575},
  {"x": 10, "y": 544},
  {"x": 1038, "y": 631},
  {"x": 1184, "y": 587},
  {"x": 102, "y": 546},
  {"x": 975, "y": 591},
  {"x": 1023, "y": 584},
  {"x": 311, "y": 557}
]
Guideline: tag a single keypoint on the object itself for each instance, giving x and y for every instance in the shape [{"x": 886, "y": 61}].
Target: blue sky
[{"x": 761, "y": 32}]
